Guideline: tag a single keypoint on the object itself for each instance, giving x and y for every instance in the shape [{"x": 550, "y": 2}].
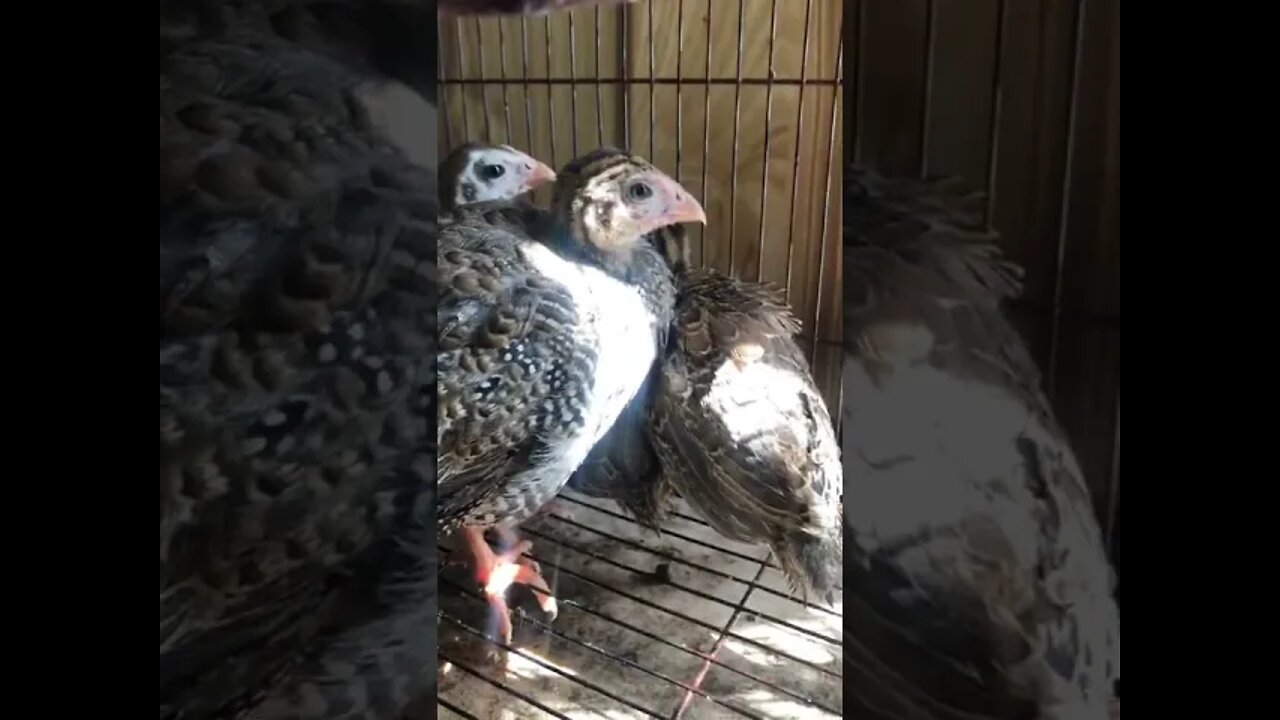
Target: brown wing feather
[
  {"x": 742, "y": 432},
  {"x": 510, "y": 363}
]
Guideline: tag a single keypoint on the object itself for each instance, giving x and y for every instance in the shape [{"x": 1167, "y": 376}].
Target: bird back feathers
[{"x": 742, "y": 431}]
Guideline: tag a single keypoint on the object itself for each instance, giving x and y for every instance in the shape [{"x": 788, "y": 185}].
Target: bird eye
[
  {"x": 639, "y": 191},
  {"x": 493, "y": 172}
]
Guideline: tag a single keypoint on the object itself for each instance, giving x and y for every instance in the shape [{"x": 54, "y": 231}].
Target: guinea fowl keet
[
  {"x": 475, "y": 173},
  {"x": 739, "y": 427},
  {"x": 622, "y": 466},
  {"x": 549, "y": 323},
  {"x": 980, "y": 585}
]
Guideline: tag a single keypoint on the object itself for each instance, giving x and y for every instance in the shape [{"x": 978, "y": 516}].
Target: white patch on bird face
[{"x": 492, "y": 174}]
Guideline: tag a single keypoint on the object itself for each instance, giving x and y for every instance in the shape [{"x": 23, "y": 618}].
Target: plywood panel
[
  {"x": 1037, "y": 70},
  {"x": 961, "y": 88},
  {"x": 892, "y": 61}
]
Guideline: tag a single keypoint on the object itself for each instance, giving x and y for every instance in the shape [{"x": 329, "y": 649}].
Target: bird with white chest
[{"x": 549, "y": 323}]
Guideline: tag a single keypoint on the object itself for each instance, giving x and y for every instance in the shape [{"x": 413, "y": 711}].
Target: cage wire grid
[{"x": 686, "y": 624}]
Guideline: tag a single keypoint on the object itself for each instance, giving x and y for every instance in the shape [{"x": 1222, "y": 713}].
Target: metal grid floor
[{"x": 683, "y": 625}]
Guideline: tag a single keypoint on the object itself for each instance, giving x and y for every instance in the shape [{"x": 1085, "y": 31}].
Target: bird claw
[
  {"x": 530, "y": 574},
  {"x": 512, "y": 568},
  {"x": 495, "y": 572}
]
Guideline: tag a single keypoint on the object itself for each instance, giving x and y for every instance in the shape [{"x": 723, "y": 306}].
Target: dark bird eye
[
  {"x": 493, "y": 172},
  {"x": 640, "y": 191}
]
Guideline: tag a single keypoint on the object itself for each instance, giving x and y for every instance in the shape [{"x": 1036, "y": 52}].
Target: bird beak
[
  {"x": 539, "y": 174},
  {"x": 683, "y": 209}
]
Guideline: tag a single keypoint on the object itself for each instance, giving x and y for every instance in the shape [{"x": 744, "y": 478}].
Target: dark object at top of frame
[{"x": 517, "y": 7}]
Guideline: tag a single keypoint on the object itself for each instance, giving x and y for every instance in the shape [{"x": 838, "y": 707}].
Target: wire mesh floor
[{"x": 686, "y": 624}]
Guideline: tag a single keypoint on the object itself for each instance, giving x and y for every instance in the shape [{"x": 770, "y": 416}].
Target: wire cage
[{"x": 741, "y": 102}]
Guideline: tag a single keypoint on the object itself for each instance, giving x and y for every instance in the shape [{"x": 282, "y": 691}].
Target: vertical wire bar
[
  {"x": 524, "y": 62},
  {"x": 926, "y": 106},
  {"x": 462, "y": 89},
  {"x": 859, "y": 80},
  {"x": 997, "y": 116},
  {"x": 850, "y": 154},
  {"x": 649, "y": 8},
  {"x": 506, "y": 88},
  {"x": 599, "y": 87},
  {"x": 768, "y": 127},
  {"x": 706, "y": 137},
  {"x": 573, "y": 77},
  {"x": 733, "y": 162},
  {"x": 826, "y": 204},
  {"x": 795, "y": 164},
  {"x": 551, "y": 109},
  {"x": 484, "y": 87},
  {"x": 1064, "y": 220},
  {"x": 679, "y": 90},
  {"x": 625, "y": 74}
]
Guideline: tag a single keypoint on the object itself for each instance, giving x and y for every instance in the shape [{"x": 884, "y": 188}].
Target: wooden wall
[
  {"x": 1021, "y": 97},
  {"x": 662, "y": 78}
]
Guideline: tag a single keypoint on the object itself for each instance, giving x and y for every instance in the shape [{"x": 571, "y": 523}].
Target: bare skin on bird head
[
  {"x": 622, "y": 204},
  {"x": 482, "y": 173}
]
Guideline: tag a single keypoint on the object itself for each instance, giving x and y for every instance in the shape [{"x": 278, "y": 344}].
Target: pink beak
[
  {"x": 682, "y": 208},
  {"x": 539, "y": 174}
]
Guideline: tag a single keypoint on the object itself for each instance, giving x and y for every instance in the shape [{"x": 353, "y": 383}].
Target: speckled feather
[
  {"x": 980, "y": 587},
  {"x": 742, "y": 432},
  {"x": 297, "y": 339},
  {"x": 526, "y": 317}
]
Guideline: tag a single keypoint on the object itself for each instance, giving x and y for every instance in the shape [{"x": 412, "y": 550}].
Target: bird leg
[
  {"x": 496, "y": 572},
  {"x": 532, "y": 575}
]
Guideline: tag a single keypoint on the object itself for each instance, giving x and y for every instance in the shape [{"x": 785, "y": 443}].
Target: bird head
[
  {"x": 612, "y": 200},
  {"x": 476, "y": 173}
]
